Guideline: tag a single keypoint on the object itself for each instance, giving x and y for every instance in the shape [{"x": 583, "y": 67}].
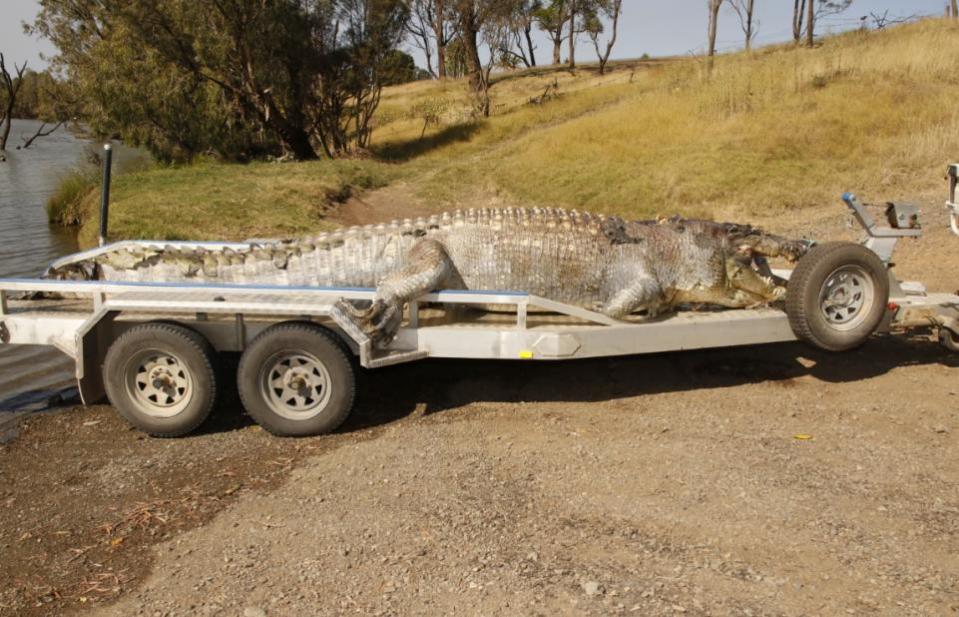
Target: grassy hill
[{"x": 778, "y": 130}]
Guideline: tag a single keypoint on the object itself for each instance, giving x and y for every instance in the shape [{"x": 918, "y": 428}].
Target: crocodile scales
[{"x": 594, "y": 261}]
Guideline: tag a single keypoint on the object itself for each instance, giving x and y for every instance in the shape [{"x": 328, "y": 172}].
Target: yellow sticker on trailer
[{"x": 526, "y": 355}]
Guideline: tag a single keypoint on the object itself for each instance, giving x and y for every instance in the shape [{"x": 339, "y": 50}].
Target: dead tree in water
[
  {"x": 11, "y": 87},
  {"x": 40, "y": 132}
]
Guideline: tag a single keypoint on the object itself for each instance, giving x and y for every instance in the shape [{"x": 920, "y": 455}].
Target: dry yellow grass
[{"x": 778, "y": 130}]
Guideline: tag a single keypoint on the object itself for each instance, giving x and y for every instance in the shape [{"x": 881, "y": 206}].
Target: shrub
[{"x": 68, "y": 204}]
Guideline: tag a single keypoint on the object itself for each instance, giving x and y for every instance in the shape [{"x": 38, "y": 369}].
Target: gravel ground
[{"x": 755, "y": 481}]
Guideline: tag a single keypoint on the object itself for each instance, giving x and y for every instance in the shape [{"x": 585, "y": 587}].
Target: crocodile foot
[{"x": 380, "y": 321}]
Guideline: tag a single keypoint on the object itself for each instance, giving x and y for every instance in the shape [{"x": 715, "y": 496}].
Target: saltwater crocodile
[{"x": 598, "y": 262}]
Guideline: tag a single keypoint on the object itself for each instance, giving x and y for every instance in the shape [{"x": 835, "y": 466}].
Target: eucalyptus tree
[
  {"x": 608, "y": 11},
  {"x": 241, "y": 77}
]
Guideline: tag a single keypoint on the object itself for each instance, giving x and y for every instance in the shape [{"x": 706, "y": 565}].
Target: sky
[{"x": 656, "y": 27}]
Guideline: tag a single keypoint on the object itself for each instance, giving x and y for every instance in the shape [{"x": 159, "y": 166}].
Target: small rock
[
  {"x": 592, "y": 588},
  {"x": 941, "y": 429},
  {"x": 254, "y": 611}
]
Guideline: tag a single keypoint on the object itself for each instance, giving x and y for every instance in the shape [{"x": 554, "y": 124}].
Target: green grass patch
[{"x": 216, "y": 201}]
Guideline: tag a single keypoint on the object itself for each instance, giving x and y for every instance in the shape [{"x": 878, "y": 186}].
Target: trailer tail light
[{"x": 893, "y": 307}]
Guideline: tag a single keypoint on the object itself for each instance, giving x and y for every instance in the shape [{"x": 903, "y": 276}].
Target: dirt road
[
  {"x": 661, "y": 485},
  {"x": 753, "y": 481}
]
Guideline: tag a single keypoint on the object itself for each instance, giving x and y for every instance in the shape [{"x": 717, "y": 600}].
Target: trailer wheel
[
  {"x": 161, "y": 378},
  {"x": 295, "y": 379},
  {"x": 837, "y": 296}
]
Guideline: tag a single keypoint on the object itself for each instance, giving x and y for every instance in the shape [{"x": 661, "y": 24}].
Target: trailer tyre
[
  {"x": 161, "y": 378},
  {"x": 296, "y": 379},
  {"x": 837, "y": 296}
]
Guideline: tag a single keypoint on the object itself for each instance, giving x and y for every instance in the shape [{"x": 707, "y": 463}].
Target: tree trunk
[
  {"x": 5, "y": 133},
  {"x": 955, "y": 9},
  {"x": 617, "y": 7},
  {"x": 810, "y": 23},
  {"x": 11, "y": 85},
  {"x": 749, "y": 24},
  {"x": 298, "y": 141},
  {"x": 439, "y": 31},
  {"x": 713, "y": 25},
  {"x": 799, "y": 10},
  {"x": 557, "y": 50},
  {"x": 429, "y": 61},
  {"x": 469, "y": 33},
  {"x": 528, "y": 31},
  {"x": 572, "y": 34}
]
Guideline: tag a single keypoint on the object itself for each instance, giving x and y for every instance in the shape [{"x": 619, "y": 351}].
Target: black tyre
[
  {"x": 296, "y": 379},
  {"x": 161, "y": 378},
  {"x": 837, "y": 296}
]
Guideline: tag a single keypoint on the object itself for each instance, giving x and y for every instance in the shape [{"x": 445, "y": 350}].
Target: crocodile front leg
[
  {"x": 642, "y": 294},
  {"x": 428, "y": 268}
]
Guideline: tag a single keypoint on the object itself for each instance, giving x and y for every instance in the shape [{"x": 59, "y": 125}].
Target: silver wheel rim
[
  {"x": 295, "y": 384},
  {"x": 847, "y": 297},
  {"x": 159, "y": 383}
]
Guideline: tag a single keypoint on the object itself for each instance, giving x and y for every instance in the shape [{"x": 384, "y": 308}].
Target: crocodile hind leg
[{"x": 428, "y": 267}]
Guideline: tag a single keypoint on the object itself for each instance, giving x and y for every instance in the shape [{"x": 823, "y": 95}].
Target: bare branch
[
  {"x": 745, "y": 12},
  {"x": 40, "y": 133},
  {"x": 883, "y": 20}
]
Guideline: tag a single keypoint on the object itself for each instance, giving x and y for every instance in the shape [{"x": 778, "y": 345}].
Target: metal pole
[{"x": 105, "y": 193}]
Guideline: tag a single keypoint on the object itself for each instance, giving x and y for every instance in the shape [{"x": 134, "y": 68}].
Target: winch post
[
  {"x": 882, "y": 239},
  {"x": 105, "y": 193}
]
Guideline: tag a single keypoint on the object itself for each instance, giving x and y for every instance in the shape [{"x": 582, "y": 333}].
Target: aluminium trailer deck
[{"x": 230, "y": 316}]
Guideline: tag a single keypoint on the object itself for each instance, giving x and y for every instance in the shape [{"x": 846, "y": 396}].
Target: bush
[{"x": 68, "y": 206}]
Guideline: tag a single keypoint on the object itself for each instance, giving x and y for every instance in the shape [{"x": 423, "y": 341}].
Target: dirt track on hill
[{"x": 753, "y": 481}]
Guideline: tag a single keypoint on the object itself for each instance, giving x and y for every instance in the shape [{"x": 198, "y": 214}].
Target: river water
[
  {"x": 27, "y": 179},
  {"x": 29, "y": 375},
  {"x": 28, "y": 243}
]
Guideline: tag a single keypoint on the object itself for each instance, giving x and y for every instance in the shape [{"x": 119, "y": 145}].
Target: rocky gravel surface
[{"x": 754, "y": 482}]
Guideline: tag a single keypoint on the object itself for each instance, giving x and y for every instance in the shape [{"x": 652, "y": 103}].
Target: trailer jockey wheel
[
  {"x": 837, "y": 296},
  {"x": 295, "y": 379},
  {"x": 161, "y": 377}
]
